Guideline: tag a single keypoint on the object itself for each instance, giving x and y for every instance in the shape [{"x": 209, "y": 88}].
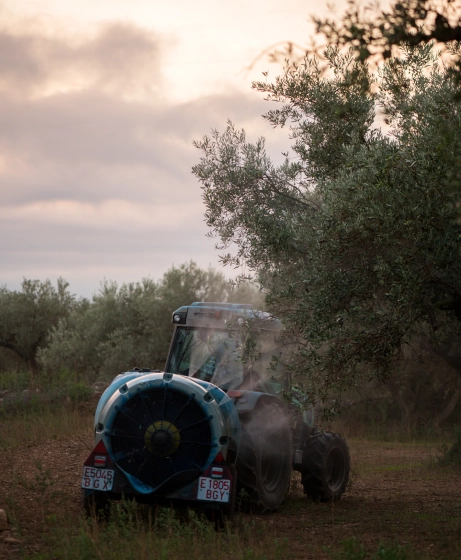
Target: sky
[{"x": 100, "y": 102}]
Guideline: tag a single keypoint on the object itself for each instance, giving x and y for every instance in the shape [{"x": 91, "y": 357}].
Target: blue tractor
[{"x": 220, "y": 418}]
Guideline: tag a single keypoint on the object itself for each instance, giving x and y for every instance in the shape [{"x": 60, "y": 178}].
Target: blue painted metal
[{"x": 219, "y": 408}]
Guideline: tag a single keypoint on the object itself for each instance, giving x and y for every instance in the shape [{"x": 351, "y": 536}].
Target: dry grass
[
  {"x": 398, "y": 496},
  {"x": 31, "y": 426}
]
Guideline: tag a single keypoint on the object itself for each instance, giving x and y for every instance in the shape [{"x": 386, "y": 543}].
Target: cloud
[
  {"x": 120, "y": 58},
  {"x": 90, "y": 146},
  {"x": 95, "y": 161}
]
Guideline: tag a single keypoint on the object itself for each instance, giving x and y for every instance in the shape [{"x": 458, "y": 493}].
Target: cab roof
[{"x": 218, "y": 314}]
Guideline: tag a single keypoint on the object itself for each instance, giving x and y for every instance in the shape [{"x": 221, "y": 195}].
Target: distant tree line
[{"x": 46, "y": 328}]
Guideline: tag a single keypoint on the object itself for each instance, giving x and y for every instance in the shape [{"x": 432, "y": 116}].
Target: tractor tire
[
  {"x": 325, "y": 468},
  {"x": 264, "y": 459}
]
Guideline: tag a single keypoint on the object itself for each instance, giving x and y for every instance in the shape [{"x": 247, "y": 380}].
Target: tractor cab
[{"x": 230, "y": 345}]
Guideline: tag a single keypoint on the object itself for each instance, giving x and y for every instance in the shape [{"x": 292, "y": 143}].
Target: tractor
[{"x": 223, "y": 420}]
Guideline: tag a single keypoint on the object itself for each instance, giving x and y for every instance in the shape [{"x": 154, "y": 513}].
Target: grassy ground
[{"x": 400, "y": 504}]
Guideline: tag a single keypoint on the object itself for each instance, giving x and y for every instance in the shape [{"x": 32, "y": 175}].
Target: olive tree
[
  {"x": 129, "y": 325},
  {"x": 27, "y": 317},
  {"x": 354, "y": 235},
  {"x": 373, "y": 32}
]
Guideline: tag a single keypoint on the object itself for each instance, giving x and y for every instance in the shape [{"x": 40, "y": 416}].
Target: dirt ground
[{"x": 397, "y": 493}]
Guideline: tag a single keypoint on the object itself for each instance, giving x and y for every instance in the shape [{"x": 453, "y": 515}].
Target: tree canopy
[
  {"x": 27, "y": 317},
  {"x": 130, "y": 325},
  {"x": 371, "y": 31},
  {"x": 354, "y": 236}
]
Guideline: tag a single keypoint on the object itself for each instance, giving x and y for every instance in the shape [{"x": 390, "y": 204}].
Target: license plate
[
  {"x": 97, "y": 479},
  {"x": 213, "y": 489}
]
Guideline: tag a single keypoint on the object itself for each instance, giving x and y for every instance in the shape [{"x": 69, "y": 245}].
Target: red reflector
[
  {"x": 100, "y": 448},
  {"x": 100, "y": 461},
  {"x": 99, "y": 457},
  {"x": 219, "y": 459},
  {"x": 216, "y": 472}
]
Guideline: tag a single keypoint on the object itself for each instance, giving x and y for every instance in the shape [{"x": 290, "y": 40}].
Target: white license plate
[
  {"x": 97, "y": 479},
  {"x": 213, "y": 489}
]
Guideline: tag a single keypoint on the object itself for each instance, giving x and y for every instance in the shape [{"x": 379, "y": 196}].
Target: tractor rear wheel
[
  {"x": 325, "y": 468},
  {"x": 264, "y": 460}
]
